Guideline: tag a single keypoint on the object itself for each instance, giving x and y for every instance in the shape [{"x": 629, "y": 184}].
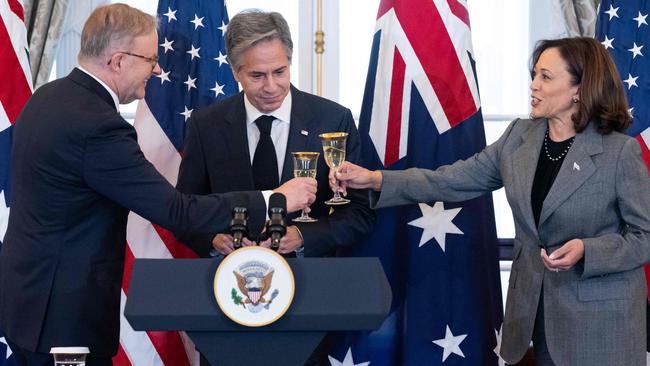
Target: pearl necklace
[{"x": 563, "y": 154}]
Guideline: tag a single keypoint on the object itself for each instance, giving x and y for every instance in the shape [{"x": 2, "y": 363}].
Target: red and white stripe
[
  {"x": 405, "y": 52},
  {"x": 16, "y": 86},
  {"x": 145, "y": 240}
]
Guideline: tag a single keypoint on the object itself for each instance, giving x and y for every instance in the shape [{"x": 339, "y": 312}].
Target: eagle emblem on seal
[{"x": 254, "y": 281}]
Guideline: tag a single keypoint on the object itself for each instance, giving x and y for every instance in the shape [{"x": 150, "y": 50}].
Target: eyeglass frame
[{"x": 153, "y": 61}]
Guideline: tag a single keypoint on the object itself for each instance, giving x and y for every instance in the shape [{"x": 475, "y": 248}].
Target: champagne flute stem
[{"x": 337, "y": 195}]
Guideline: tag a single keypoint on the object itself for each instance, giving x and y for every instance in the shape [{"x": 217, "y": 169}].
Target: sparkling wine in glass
[
  {"x": 334, "y": 154},
  {"x": 304, "y": 165}
]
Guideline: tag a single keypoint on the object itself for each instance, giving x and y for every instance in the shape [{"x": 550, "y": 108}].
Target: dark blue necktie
[{"x": 265, "y": 163}]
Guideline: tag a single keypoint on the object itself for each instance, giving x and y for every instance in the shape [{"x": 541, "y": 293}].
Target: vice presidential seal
[{"x": 254, "y": 286}]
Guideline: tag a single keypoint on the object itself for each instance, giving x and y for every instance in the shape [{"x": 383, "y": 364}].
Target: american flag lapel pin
[{"x": 304, "y": 132}]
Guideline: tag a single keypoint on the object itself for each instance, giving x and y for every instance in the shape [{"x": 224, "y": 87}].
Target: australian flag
[
  {"x": 6, "y": 356},
  {"x": 421, "y": 108},
  {"x": 15, "y": 89},
  {"x": 622, "y": 27}
]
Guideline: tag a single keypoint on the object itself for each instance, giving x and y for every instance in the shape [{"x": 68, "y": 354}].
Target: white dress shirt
[{"x": 279, "y": 129}]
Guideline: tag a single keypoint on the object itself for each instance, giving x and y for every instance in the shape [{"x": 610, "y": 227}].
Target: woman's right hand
[{"x": 354, "y": 176}]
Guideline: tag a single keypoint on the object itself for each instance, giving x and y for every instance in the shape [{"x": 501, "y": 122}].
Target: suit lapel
[
  {"x": 524, "y": 165},
  {"x": 301, "y": 131},
  {"x": 236, "y": 138},
  {"x": 575, "y": 170}
]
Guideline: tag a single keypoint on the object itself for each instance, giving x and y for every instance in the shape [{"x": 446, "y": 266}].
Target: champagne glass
[
  {"x": 304, "y": 165},
  {"x": 334, "y": 153}
]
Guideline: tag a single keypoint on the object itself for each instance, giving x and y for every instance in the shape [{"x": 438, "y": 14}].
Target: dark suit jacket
[
  {"x": 77, "y": 170},
  {"x": 216, "y": 159}
]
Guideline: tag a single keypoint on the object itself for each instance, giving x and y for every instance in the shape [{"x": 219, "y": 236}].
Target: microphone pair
[{"x": 276, "y": 226}]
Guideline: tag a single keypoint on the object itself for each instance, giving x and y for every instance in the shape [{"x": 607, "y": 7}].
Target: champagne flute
[
  {"x": 304, "y": 165},
  {"x": 334, "y": 154}
]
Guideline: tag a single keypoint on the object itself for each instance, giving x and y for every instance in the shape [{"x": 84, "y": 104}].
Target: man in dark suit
[
  {"x": 77, "y": 170},
  {"x": 227, "y": 145}
]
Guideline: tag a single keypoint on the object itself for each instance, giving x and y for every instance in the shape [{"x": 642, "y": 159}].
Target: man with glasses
[{"x": 77, "y": 170}]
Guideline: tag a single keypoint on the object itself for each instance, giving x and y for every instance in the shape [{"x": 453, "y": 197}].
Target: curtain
[
  {"x": 579, "y": 17},
  {"x": 44, "y": 20}
]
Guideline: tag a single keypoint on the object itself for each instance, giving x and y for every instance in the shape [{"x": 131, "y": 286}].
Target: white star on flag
[
  {"x": 347, "y": 361},
  {"x": 436, "y": 223},
  {"x": 223, "y": 27},
  {"x": 9, "y": 352},
  {"x": 613, "y": 12},
  {"x": 608, "y": 43},
  {"x": 221, "y": 58},
  {"x": 4, "y": 214},
  {"x": 631, "y": 81},
  {"x": 167, "y": 45},
  {"x": 198, "y": 22},
  {"x": 497, "y": 349},
  {"x": 164, "y": 76},
  {"x": 191, "y": 83},
  {"x": 450, "y": 344},
  {"x": 218, "y": 89},
  {"x": 187, "y": 113},
  {"x": 641, "y": 19},
  {"x": 171, "y": 15},
  {"x": 631, "y": 112},
  {"x": 636, "y": 51},
  {"x": 194, "y": 52}
]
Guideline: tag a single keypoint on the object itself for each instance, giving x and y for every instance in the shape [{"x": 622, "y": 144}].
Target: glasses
[{"x": 151, "y": 60}]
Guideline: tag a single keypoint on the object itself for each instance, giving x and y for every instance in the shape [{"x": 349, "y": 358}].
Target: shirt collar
[
  {"x": 116, "y": 101},
  {"x": 283, "y": 113}
]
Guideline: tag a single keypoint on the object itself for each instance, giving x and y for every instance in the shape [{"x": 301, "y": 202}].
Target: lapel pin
[
  {"x": 304, "y": 133},
  {"x": 576, "y": 166}
]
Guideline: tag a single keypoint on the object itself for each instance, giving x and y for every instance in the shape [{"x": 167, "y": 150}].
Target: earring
[{"x": 575, "y": 100}]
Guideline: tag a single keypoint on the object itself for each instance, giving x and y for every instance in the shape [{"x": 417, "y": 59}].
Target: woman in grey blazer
[{"x": 580, "y": 197}]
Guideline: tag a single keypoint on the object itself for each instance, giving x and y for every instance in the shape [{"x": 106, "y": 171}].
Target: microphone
[
  {"x": 276, "y": 227},
  {"x": 239, "y": 221}
]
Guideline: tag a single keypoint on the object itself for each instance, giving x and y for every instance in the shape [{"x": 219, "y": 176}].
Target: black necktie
[{"x": 265, "y": 163}]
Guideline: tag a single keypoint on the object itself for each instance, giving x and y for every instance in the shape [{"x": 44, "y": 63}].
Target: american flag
[
  {"x": 194, "y": 74},
  {"x": 622, "y": 27},
  {"x": 421, "y": 108},
  {"x": 15, "y": 89}
]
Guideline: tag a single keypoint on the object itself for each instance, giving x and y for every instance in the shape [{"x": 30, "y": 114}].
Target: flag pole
[{"x": 319, "y": 47}]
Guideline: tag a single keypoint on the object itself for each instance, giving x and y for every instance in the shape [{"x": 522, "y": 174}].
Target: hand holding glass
[
  {"x": 304, "y": 165},
  {"x": 334, "y": 154}
]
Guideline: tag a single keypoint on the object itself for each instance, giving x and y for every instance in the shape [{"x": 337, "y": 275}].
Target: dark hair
[
  {"x": 602, "y": 97},
  {"x": 252, "y": 26}
]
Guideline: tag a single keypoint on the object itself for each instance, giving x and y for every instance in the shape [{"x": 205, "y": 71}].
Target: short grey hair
[
  {"x": 252, "y": 26},
  {"x": 110, "y": 24}
]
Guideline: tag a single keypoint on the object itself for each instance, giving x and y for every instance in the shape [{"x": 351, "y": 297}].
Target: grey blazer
[{"x": 595, "y": 313}]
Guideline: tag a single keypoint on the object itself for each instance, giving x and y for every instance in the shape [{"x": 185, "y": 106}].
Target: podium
[{"x": 331, "y": 294}]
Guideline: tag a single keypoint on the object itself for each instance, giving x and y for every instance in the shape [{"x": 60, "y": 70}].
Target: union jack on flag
[
  {"x": 15, "y": 89},
  {"x": 622, "y": 27},
  {"x": 194, "y": 74},
  {"x": 421, "y": 108}
]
